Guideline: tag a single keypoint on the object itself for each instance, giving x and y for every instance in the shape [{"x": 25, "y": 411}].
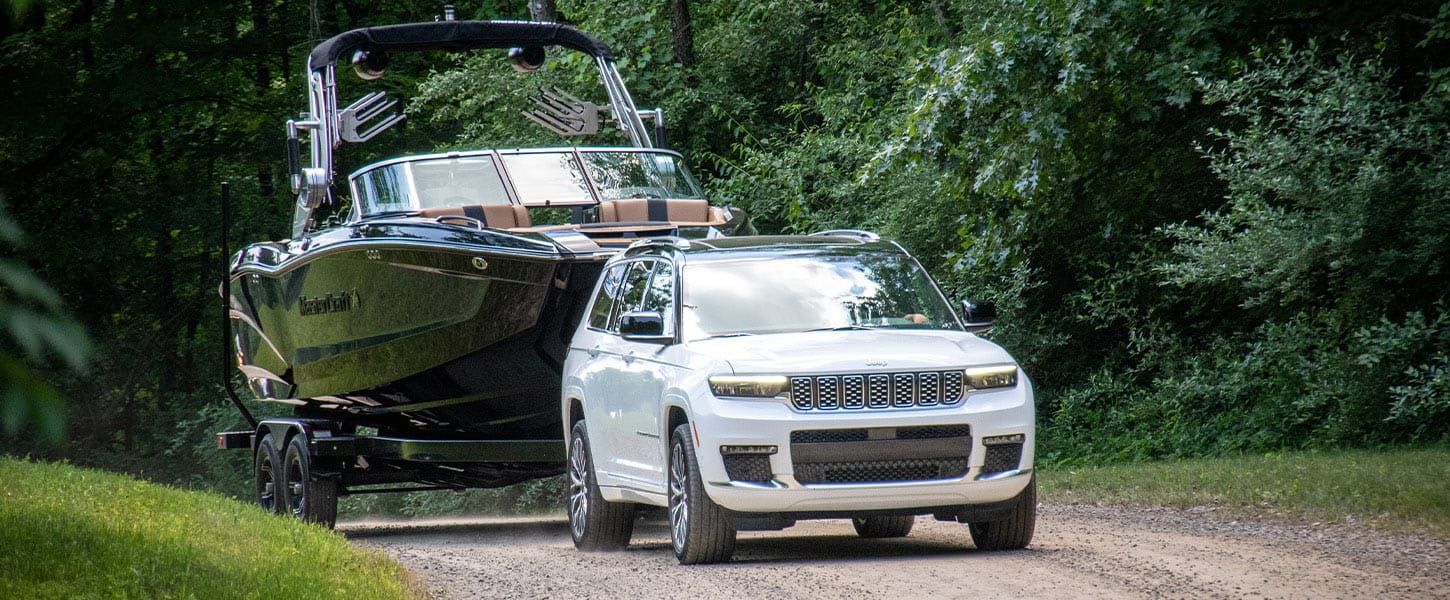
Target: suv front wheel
[
  {"x": 1013, "y": 532},
  {"x": 700, "y": 531},
  {"x": 595, "y": 523}
]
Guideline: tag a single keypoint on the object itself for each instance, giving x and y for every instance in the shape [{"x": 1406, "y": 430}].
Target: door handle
[
  {"x": 594, "y": 352},
  {"x": 629, "y": 356}
]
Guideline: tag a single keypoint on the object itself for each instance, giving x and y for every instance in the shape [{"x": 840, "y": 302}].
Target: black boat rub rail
[{"x": 292, "y": 262}]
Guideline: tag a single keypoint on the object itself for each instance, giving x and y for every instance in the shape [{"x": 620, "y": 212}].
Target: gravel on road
[{"x": 1078, "y": 552}]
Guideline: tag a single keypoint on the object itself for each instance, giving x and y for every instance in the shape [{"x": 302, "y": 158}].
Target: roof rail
[
  {"x": 668, "y": 241},
  {"x": 865, "y": 236}
]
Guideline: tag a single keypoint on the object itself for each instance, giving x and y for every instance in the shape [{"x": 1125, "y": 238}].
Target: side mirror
[
  {"x": 644, "y": 326},
  {"x": 978, "y": 316}
]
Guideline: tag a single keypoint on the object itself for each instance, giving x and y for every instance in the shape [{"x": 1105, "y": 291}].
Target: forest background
[{"x": 1211, "y": 227}]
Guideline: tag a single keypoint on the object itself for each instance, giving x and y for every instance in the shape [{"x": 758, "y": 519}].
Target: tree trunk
[
  {"x": 261, "y": 30},
  {"x": 682, "y": 38},
  {"x": 543, "y": 10}
]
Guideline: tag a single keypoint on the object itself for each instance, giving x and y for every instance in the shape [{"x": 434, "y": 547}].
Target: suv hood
[{"x": 851, "y": 351}]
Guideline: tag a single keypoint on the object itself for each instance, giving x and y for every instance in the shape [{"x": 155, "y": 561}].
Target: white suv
[{"x": 748, "y": 382}]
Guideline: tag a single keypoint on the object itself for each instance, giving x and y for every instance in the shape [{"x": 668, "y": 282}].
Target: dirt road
[{"x": 1078, "y": 552}]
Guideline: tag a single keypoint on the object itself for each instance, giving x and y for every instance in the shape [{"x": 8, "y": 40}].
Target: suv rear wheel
[
  {"x": 595, "y": 523},
  {"x": 883, "y": 527},
  {"x": 700, "y": 531},
  {"x": 1013, "y": 532}
]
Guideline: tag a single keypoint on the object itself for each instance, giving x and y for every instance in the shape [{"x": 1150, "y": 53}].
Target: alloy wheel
[
  {"x": 679, "y": 498},
  {"x": 578, "y": 487}
]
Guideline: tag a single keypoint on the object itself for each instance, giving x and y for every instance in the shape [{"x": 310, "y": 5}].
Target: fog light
[
  {"x": 757, "y": 450},
  {"x": 994, "y": 440}
]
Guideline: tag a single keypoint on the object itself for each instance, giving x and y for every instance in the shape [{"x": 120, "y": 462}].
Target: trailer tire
[
  {"x": 266, "y": 475},
  {"x": 312, "y": 499},
  {"x": 595, "y": 523},
  {"x": 883, "y": 526}
]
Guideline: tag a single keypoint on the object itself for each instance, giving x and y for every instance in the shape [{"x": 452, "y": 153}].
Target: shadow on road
[
  {"x": 816, "y": 542},
  {"x": 475, "y": 529}
]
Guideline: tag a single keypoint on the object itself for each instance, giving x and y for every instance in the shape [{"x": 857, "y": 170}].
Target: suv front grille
[
  {"x": 882, "y": 471},
  {"x": 880, "y": 454},
  {"x": 876, "y": 390}
]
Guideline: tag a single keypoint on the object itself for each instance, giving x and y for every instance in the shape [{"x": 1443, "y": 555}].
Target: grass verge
[
  {"x": 77, "y": 533},
  {"x": 1400, "y": 491}
]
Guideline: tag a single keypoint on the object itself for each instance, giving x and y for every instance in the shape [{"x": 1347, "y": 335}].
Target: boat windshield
[
  {"x": 433, "y": 183},
  {"x": 619, "y": 175},
  {"x": 539, "y": 178},
  {"x": 818, "y": 292},
  {"x": 548, "y": 179}
]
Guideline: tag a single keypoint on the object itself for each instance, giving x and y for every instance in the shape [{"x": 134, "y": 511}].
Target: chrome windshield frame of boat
[
  {"x": 622, "y": 103},
  {"x": 355, "y": 213}
]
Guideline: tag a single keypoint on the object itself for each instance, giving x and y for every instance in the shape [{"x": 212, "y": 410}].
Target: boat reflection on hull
[{"x": 412, "y": 325}]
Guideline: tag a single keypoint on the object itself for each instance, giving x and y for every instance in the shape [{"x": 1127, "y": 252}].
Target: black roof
[{"x": 455, "y": 36}]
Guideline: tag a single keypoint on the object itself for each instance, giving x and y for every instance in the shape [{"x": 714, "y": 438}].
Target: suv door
[
  {"x": 645, "y": 375},
  {"x": 615, "y": 386}
]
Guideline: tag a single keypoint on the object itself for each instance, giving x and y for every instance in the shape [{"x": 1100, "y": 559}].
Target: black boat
[{"x": 437, "y": 309}]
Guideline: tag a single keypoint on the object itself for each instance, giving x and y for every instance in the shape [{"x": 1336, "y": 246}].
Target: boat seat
[
  {"x": 495, "y": 216},
  {"x": 676, "y": 211}
]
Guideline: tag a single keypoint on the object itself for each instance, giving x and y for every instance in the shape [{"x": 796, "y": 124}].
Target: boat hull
[{"x": 411, "y": 326}]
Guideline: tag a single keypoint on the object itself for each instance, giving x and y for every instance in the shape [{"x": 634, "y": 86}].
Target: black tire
[
  {"x": 267, "y": 474},
  {"x": 306, "y": 497},
  {"x": 1013, "y": 532},
  {"x": 700, "y": 531},
  {"x": 883, "y": 527},
  {"x": 596, "y": 523}
]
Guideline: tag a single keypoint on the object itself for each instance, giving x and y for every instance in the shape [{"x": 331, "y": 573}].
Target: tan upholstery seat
[
  {"x": 495, "y": 216},
  {"x": 677, "y": 211}
]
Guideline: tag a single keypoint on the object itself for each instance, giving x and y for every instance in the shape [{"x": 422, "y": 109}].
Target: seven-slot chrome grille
[{"x": 876, "y": 390}]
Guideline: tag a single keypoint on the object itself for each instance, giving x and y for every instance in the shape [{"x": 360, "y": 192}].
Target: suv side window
[
  {"x": 599, "y": 313},
  {"x": 631, "y": 292},
  {"x": 661, "y": 294}
]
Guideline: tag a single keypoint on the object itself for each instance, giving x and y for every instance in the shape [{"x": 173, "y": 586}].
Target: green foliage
[
  {"x": 37, "y": 329},
  {"x": 77, "y": 533},
  {"x": 1209, "y": 227},
  {"x": 1338, "y": 187},
  {"x": 1401, "y": 491}
]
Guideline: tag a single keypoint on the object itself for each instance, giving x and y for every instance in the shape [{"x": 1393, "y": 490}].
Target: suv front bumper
[{"x": 864, "y": 474}]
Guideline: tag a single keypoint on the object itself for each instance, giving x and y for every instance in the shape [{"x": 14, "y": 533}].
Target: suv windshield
[{"x": 786, "y": 294}]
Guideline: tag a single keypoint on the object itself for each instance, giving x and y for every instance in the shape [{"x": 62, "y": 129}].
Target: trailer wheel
[
  {"x": 308, "y": 498},
  {"x": 596, "y": 523},
  {"x": 266, "y": 475},
  {"x": 883, "y": 527}
]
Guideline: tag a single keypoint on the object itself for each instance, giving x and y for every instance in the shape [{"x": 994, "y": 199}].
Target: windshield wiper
[
  {"x": 728, "y": 335},
  {"x": 843, "y": 328}
]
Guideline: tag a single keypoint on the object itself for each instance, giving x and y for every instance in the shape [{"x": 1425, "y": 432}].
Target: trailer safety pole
[{"x": 227, "y": 305}]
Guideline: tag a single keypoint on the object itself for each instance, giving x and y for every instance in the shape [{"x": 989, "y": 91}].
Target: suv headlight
[
  {"x": 981, "y": 378},
  {"x": 749, "y": 386}
]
